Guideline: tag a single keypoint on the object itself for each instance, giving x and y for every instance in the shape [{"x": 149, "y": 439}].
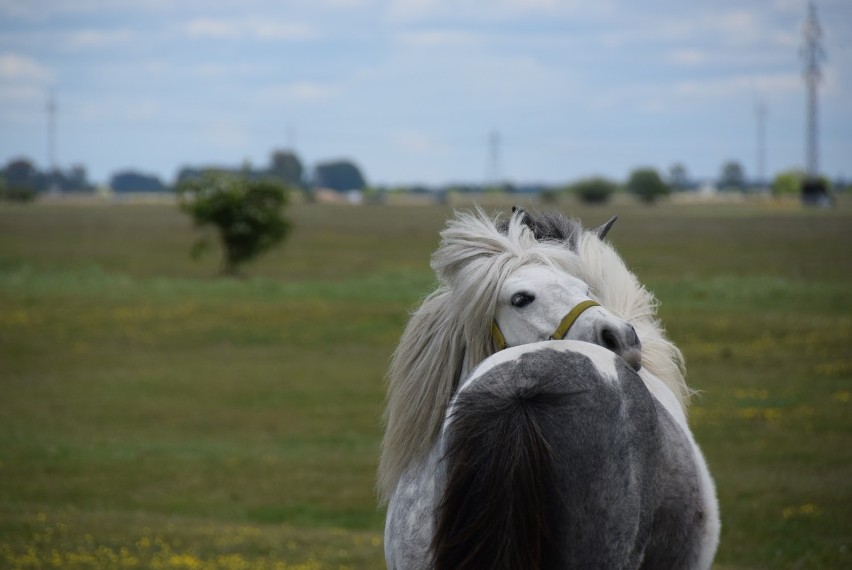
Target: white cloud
[
  {"x": 226, "y": 135},
  {"x": 21, "y": 68},
  {"x": 441, "y": 38},
  {"x": 479, "y": 11},
  {"x": 737, "y": 22},
  {"x": 97, "y": 39},
  {"x": 408, "y": 10},
  {"x": 210, "y": 70},
  {"x": 131, "y": 110},
  {"x": 297, "y": 92},
  {"x": 727, "y": 87},
  {"x": 17, "y": 94},
  {"x": 415, "y": 142},
  {"x": 796, "y": 6},
  {"x": 689, "y": 57},
  {"x": 249, "y": 28}
]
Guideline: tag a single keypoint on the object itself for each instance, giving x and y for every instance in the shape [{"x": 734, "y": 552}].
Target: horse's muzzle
[{"x": 623, "y": 341}]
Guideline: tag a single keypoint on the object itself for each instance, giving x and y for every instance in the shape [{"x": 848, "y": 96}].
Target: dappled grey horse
[{"x": 555, "y": 455}]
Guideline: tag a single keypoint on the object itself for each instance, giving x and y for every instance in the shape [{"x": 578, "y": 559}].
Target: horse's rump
[{"x": 550, "y": 462}]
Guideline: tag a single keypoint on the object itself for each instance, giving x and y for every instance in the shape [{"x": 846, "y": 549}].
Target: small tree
[
  {"x": 647, "y": 185},
  {"x": 19, "y": 181},
  {"x": 247, "y": 214},
  {"x": 732, "y": 176}
]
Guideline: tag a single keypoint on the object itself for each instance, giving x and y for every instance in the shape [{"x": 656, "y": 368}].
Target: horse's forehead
[{"x": 542, "y": 274}]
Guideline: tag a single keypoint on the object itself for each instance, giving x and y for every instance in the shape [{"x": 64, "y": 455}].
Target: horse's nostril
[
  {"x": 635, "y": 340},
  {"x": 609, "y": 340}
]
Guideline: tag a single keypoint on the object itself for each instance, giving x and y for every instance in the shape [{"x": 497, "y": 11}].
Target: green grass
[{"x": 154, "y": 415}]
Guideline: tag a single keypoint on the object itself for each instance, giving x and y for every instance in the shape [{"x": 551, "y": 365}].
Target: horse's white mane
[{"x": 450, "y": 333}]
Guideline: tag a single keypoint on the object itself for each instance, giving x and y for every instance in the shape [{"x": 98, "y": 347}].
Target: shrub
[
  {"x": 247, "y": 214},
  {"x": 647, "y": 185},
  {"x": 788, "y": 182},
  {"x": 594, "y": 190}
]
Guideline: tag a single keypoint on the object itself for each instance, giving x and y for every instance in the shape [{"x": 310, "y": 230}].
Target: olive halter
[{"x": 563, "y": 328}]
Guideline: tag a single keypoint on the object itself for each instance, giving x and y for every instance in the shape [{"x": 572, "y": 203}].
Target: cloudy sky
[{"x": 412, "y": 89}]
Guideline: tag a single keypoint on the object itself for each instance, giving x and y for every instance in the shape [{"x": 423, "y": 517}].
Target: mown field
[{"x": 153, "y": 415}]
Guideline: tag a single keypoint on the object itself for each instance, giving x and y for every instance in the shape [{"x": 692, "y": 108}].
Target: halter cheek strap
[
  {"x": 499, "y": 340},
  {"x": 572, "y": 316},
  {"x": 563, "y": 328}
]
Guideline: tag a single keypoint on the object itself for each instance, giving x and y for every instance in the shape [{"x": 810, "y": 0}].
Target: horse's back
[{"x": 575, "y": 431}]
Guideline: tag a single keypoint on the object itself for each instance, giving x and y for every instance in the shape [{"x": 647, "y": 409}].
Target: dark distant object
[
  {"x": 286, "y": 167},
  {"x": 130, "y": 181},
  {"x": 815, "y": 193},
  {"x": 732, "y": 176},
  {"x": 647, "y": 185},
  {"x": 595, "y": 190},
  {"x": 340, "y": 175},
  {"x": 248, "y": 214},
  {"x": 21, "y": 173},
  {"x": 679, "y": 178},
  {"x": 21, "y": 180},
  {"x": 73, "y": 180}
]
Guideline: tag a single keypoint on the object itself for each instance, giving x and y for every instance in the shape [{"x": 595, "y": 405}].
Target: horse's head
[{"x": 539, "y": 302}]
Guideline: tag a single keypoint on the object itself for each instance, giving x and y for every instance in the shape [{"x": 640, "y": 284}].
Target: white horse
[
  {"x": 555, "y": 455},
  {"x": 453, "y": 329},
  {"x": 462, "y": 323}
]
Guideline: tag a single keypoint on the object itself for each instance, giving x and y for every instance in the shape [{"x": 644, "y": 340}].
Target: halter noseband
[{"x": 563, "y": 328}]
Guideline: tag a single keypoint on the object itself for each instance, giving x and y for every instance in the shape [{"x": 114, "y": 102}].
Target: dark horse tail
[{"x": 500, "y": 507}]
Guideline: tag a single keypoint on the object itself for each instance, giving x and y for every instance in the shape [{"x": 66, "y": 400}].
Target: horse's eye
[{"x": 521, "y": 300}]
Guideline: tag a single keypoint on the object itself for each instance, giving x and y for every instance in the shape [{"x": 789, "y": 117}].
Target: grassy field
[{"x": 155, "y": 416}]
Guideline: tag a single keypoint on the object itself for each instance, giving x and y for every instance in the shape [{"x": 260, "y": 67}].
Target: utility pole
[
  {"x": 51, "y": 131},
  {"x": 493, "y": 174},
  {"x": 812, "y": 54},
  {"x": 760, "y": 115}
]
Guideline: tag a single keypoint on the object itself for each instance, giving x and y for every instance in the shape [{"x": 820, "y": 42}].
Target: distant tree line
[
  {"x": 21, "y": 180},
  {"x": 647, "y": 184},
  {"x": 286, "y": 167}
]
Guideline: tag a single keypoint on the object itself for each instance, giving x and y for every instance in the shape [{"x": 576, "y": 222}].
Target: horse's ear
[
  {"x": 521, "y": 213},
  {"x": 604, "y": 229}
]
